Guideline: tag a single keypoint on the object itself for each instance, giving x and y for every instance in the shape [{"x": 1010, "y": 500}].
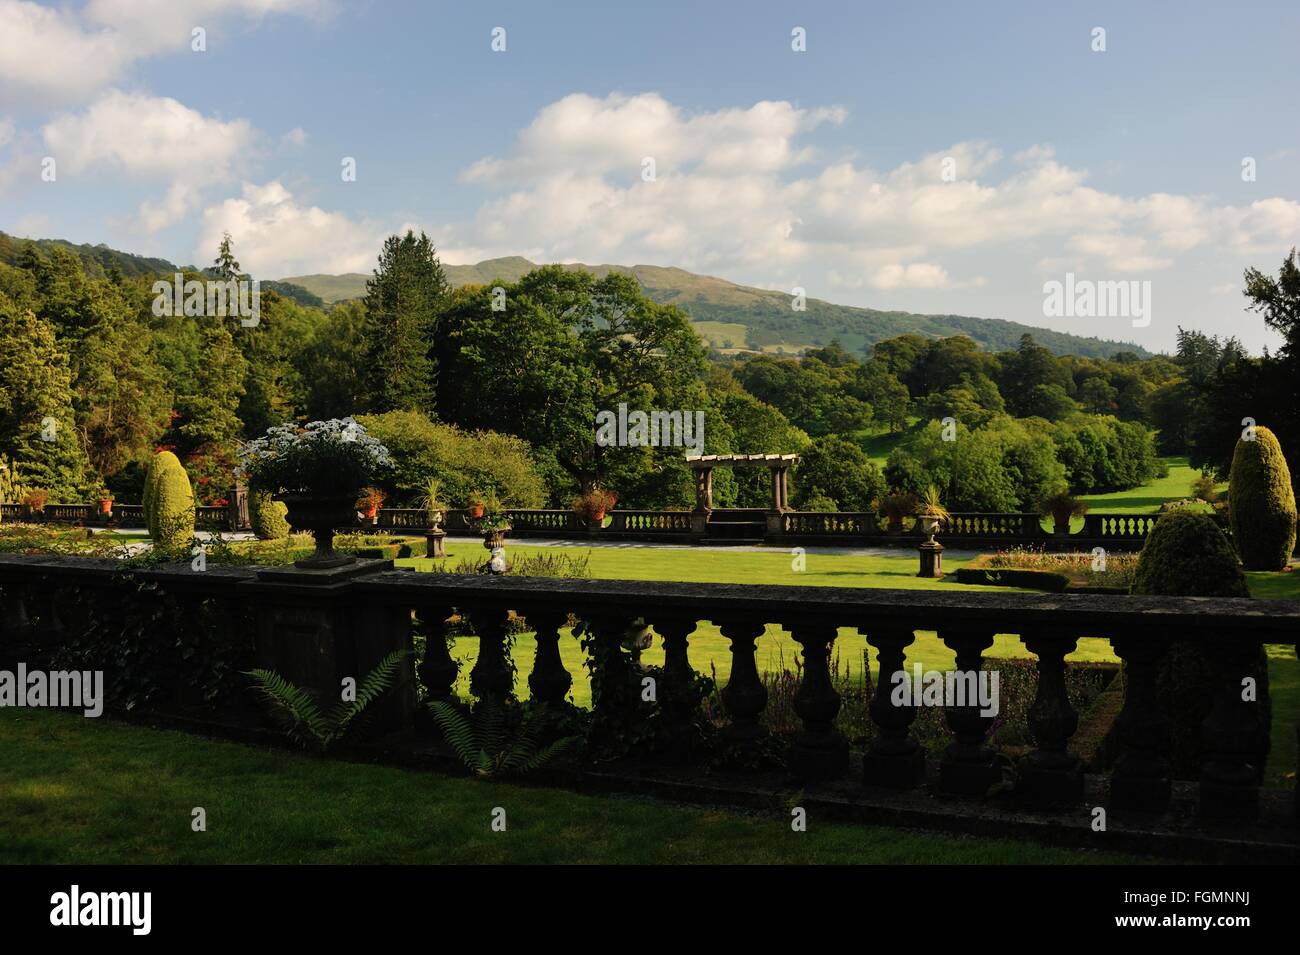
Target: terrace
[{"x": 317, "y": 627}]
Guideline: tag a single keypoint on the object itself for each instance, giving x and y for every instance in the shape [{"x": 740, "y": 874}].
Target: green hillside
[
  {"x": 98, "y": 260},
  {"x": 736, "y": 317}
]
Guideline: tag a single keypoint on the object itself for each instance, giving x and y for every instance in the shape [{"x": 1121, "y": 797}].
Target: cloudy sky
[{"x": 938, "y": 157}]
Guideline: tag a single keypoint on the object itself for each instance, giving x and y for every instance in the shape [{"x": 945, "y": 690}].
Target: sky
[{"x": 936, "y": 158}]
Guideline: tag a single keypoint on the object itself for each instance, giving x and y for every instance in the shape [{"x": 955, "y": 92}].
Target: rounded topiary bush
[
  {"x": 267, "y": 516},
  {"x": 1188, "y": 555},
  {"x": 172, "y": 504},
  {"x": 1261, "y": 503}
]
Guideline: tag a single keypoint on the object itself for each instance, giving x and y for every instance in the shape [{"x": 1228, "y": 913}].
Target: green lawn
[
  {"x": 1147, "y": 499},
  {"x": 83, "y": 791}
]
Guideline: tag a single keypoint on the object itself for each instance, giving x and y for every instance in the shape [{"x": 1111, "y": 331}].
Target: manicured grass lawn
[
  {"x": 1148, "y": 498},
  {"x": 83, "y": 791}
]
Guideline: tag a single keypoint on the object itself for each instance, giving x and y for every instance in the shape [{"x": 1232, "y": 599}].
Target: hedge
[{"x": 1261, "y": 503}]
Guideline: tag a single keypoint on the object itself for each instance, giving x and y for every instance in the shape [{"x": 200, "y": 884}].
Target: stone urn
[
  {"x": 929, "y": 526},
  {"x": 321, "y": 515}
]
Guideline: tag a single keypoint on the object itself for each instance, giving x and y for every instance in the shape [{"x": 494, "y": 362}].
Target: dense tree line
[{"x": 93, "y": 381}]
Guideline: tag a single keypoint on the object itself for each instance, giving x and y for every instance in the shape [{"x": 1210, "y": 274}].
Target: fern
[
  {"x": 302, "y": 717},
  {"x": 483, "y": 745}
]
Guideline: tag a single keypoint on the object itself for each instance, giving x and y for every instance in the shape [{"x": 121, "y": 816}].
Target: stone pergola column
[{"x": 703, "y": 489}]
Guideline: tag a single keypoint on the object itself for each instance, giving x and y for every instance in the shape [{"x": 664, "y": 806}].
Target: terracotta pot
[
  {"x": 369, "y": 512},
  {"x": 475, "y": 511},
  {"x": 598, "y": 516},
  {"x": 320, "y": 516},
  {"x": 106, "y": 506}
]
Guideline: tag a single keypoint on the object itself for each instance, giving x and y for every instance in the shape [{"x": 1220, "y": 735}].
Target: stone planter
[
  {"x": 320, "y": 516},
  {"x": 929, "y": 525}
]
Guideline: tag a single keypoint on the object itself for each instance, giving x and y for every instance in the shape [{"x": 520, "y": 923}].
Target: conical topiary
[
  {"x": 1261, "y": 503},
  {"x": 172, "y": 504},
  {"x": 1187, "y": 555}
]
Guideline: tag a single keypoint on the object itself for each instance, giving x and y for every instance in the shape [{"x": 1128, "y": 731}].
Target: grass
[
  {"x": 1147, "y": 499},
  {"x": 79, "y": 791}
]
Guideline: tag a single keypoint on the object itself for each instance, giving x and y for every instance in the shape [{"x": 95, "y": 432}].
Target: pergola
[{"x": 778, "y": 464}]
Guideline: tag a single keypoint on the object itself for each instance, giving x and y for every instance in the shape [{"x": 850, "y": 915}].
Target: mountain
[
  {"x": 98, "y": 260},
  {"x": 731, "y": 317},
  {"x": 740, "y": 318}
]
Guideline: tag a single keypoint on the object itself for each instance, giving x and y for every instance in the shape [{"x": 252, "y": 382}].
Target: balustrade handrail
[{"x": 375, "y": 604}]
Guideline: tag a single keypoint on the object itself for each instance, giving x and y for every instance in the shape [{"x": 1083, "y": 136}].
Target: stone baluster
[
  {"x": 820, "y": 751},
  {"x": 678, "y": 700},
  {"x": 744, "y": 696},
  {"x": 1140, "y": 781},
  {"x": 493, "y": 675},
  {"x": 968, "y": 767},
  {"x": 550, "y": 681},
  {"x": 1229, "y": 776},
  {"x": 437, "y": 671},
  {"x": 895, "y": 759},
  {"x": 1051, "y": 775}
]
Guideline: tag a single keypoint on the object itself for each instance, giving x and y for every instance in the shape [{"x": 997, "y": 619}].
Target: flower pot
[
  {"x": 320, "y": 516},
  {"x": 598, "y": 517},
  {"x": 369, "y": 513},
  {"x": 495, "y": 538},
  {"x": 106, "y": 506},
  {"x": 475, "y": 511}
]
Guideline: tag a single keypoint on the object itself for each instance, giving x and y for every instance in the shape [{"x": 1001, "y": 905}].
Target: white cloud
[
  {"x": 739, "y": 192},
  {"x": 614, "y": 135},
  {"x": 151, "y": 138},
  {"x": 277, "y": 236},
  {"x": 61, "y": 55}
]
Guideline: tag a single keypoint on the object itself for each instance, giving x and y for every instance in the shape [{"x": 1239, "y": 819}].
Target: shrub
[
  {"x": 172, "y": 505},
  {"x": 267, "y": 516},
  {"x": 1186, "y": 554},
  {"x": 1263, "y": 509},
  {"x": 595, "y": 501},
  {"x": 462, "y": 461}
]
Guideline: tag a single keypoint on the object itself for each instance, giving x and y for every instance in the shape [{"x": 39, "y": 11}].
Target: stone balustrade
[{"x": 314, "y": 627}]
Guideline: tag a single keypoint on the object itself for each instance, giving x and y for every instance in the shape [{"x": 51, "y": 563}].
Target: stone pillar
[
  {"x": 776, "y": 477},
  {"x": 310, "y": 629},
  {"x": 895, "y": 759},
  {"x": 433, "y": 543},
  {"x": 820, "y": 752},
  {"x": 968, "y": 767},
  {"x": 1051, "y": 775},
  {"x": 1140, "y": 781},
  {"x": 931, "y": 559}
]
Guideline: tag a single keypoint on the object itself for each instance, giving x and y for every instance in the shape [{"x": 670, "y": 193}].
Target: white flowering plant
[{"x": 321, "y": 458}]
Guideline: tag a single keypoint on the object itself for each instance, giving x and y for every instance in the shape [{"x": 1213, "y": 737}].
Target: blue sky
[{"x": 820, "y": 169}]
